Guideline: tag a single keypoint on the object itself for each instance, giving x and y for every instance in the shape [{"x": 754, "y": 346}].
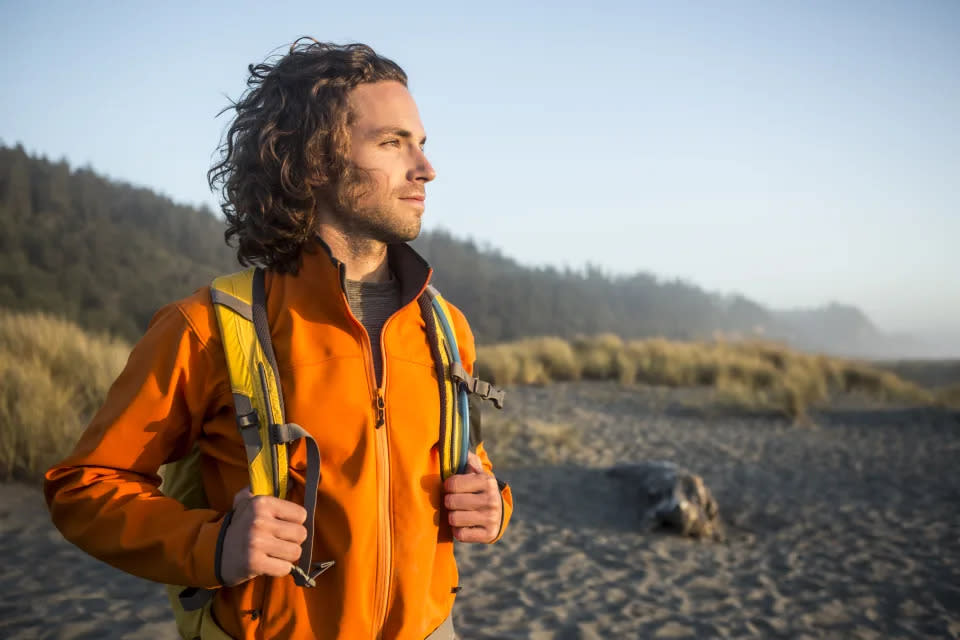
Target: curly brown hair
[{"x": 285, "y": 149}]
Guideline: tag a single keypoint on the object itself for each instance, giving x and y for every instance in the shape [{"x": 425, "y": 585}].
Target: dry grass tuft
[
  {"x": 53, "y": 377},
  {"x": 751, "y": 374}
]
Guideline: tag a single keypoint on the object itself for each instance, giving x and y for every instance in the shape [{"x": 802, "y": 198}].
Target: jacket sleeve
[
  {"x": 468, "y": 355},
  {"x": 105, "y": 498}
]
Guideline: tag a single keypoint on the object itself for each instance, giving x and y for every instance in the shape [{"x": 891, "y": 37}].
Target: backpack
[{"x": 239, "y": 301}]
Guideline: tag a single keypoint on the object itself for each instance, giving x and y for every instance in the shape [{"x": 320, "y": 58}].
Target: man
[{"x": 323, "y": 175}]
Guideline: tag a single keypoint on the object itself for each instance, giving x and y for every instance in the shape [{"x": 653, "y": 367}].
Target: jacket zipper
[
  {"x": 384, "y": 526},
  {"x": 384, "y": 546},
  {"x": 384, "y": 529}
]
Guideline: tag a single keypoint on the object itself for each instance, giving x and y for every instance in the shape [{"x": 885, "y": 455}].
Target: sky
[{"x": 796, "y": 153}]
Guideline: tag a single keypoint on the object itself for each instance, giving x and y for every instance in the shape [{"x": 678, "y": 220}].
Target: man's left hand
[{"x": 473, "y": 503}]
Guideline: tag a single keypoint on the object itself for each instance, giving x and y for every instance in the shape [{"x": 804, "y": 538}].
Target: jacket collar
[{"x": 410, "y": 268}]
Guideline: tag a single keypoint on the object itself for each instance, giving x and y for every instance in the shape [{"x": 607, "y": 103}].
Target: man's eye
[{"x": 390, "y": 143}]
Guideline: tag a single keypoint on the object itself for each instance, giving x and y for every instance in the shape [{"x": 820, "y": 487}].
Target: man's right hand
[{"x": 263, "y": 538}]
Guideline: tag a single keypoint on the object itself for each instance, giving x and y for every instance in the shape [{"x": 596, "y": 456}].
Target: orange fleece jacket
[{"x": 394, "y": 577}]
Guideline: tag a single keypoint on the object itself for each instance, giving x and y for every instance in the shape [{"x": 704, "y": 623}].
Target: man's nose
[{"x": 423, "y": 171}]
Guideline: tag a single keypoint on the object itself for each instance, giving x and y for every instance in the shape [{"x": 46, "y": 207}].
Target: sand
[{"x": 850, "y": 529}]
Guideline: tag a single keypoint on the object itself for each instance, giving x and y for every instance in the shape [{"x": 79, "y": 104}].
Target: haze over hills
[{"x": 107, "y": 255}]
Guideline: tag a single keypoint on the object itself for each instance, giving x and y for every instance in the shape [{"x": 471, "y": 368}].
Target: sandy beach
[{"x": 846, "y": 529}]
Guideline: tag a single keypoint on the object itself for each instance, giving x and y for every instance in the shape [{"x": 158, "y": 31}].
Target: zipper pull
[{"x": 381, "y": 411}]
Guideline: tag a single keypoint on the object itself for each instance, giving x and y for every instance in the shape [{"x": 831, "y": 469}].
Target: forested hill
[
  {"x": 103, "y": 254},
  {"x": 107, "y": 255}
]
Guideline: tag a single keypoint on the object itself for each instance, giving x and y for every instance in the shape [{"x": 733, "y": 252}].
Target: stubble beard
[{"x": 378, "y": 222}]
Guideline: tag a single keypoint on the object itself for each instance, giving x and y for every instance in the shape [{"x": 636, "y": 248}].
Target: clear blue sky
[{"x": 799, "y": 153}]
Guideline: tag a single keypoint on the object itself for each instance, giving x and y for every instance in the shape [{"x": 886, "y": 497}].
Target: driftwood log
[{"x": 671, "y": 497}]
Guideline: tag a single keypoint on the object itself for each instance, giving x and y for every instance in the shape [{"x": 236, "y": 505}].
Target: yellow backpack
[{"x": 239, "y": 300}]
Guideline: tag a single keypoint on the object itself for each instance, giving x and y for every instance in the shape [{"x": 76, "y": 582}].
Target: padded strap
[{"x": 446, "y": 391}]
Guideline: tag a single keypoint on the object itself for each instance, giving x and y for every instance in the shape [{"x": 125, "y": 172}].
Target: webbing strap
[
  {"x": 304, "y": 572},
  {"x": 270, "y": 384},
  {"x": 223, "y": 298},
  {"x": 262, "y": 326}
]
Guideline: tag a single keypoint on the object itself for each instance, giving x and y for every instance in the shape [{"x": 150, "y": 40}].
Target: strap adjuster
[{"x": 477, "y": 386}]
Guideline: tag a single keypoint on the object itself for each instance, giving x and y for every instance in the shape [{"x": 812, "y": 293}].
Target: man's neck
[{"x": 364, "y": 259}]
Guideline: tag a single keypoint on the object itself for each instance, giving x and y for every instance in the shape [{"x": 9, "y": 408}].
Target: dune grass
[
  {"x": 758, "y": 375},
  {"x": 53, "y": 377}
]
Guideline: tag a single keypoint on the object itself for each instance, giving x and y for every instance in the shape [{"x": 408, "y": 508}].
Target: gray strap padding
[
  {"x": 477, "y": 386},
  {"x": 231, "y": 302}
]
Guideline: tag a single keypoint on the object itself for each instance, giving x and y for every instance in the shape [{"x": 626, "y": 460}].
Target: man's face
[{"x": 386, "y": 143}]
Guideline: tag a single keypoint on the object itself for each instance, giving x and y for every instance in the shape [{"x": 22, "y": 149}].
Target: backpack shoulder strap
[
  {"x": 240, "y": 303},
  {"x": 455, "y": 385},
  {"x": 253, "y": 378}
]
